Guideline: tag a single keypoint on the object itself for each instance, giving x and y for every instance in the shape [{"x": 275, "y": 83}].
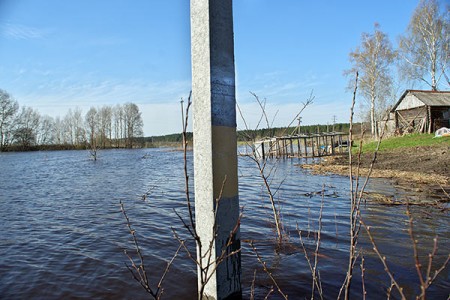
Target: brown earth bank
[{"x": 423, "y": 168}]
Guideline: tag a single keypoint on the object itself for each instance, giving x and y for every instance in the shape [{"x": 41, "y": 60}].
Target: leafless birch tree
[
  {"x": 373, "y": 60},
  {"x": 425, "y": 48}
]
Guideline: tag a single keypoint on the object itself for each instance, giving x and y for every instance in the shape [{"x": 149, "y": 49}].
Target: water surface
[{"x": 63, "y": 233}]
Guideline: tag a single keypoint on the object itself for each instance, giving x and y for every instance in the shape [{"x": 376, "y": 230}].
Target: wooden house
[{"x": 421, "y": 111}]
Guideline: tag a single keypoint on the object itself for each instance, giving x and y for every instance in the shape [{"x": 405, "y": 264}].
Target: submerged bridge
[{"x": 303, "y": 145}]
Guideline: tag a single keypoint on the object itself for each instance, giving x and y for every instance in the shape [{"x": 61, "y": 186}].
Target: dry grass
[{"x": 409, "y": 176}]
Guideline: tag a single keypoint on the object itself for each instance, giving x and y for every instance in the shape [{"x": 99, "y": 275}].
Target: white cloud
[
  {"x": 107, "y": 41},
  {"x": 274, "y": 87},
  {"x": 162, "y": 118},
  {"x": 281, "y": 115},
  {"x": 159, "y": 102},
  {"x": 21, "y": 32},
  {"x": 285, "y": 98}
]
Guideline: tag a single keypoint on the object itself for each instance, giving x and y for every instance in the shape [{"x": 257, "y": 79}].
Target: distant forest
[{"x": 246, "y": 135}]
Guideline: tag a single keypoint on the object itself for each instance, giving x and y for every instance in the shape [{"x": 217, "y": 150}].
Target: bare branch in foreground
[
  {"x": 261, "y": 164},
  {"x": 206, "y": 259},
  {"x": 316, "y": 282},
  {"x": 353, "y": 204},
  {"x": 138, "y": 270},
  {"x": 426, "y": 282},
  {"x": 362, "y": 276},
  {"x": 383, "y": 261},
  {"x": 263, "y": 263},
  {"x": 252, "y": 287}
]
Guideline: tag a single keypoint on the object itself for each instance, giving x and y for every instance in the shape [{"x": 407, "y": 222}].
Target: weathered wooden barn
[{"x": 421, "y": 111}]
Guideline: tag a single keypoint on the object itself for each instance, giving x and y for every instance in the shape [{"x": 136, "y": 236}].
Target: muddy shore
[{"x": 419, "y": 167}]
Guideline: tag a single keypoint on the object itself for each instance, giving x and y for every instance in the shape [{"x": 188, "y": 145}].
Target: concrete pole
[{"x": 215, "y": 145}]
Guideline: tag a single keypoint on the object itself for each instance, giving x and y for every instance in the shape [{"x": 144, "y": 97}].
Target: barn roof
[{"x": 429, "y": 98}]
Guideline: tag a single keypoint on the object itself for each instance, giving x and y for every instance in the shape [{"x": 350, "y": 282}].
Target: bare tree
[
  {"x": 91, "y": 119},
  {"x": 73, "y": 127},
  {"x": 68, "y": 128},
  {"x": 26, "y": 127},
  {"x": 91, "y": 124},
  {"x": 78, "y": 127},
  {"x": 8, "y": 109},
  {"x": 58, "y": 135},
  {"x": 117, "y": 124},
  {"x": 45, "y": 133},
  {"x": 105, "y": 119},
  {"x": 133, "y": 123},
  {"x": 373, "y": 59},
  {"x": 425, "y": 47}
]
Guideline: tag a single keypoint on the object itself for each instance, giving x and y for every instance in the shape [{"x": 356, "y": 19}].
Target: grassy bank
[{"x": 407, "y": 141}]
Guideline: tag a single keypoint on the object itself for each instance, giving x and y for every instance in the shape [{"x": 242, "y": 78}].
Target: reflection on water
[{"x": 63, "y": 234}]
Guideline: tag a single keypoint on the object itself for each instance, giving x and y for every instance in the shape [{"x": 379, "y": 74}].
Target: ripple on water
[{"x": 63, "y": 233}]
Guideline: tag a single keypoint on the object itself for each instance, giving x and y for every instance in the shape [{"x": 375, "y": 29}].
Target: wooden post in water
[
  {"x": 318, "y": 145},
  {"x": 292, "y": 147},
  {"x": 332, "y": 144},
  {"x": 306, "y": 146},
  {"x": 278, "y": 148},
  {"x": 215, "y": 147}
]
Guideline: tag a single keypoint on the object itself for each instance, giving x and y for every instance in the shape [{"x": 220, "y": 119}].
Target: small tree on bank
[{"x": 373, "y": 60}]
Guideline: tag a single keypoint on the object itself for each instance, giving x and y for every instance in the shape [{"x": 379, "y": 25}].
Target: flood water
[{"x": 63, "y": 233}]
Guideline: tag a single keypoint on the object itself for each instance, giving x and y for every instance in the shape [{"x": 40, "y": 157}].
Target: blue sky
[{"x": 56, "y": 55}]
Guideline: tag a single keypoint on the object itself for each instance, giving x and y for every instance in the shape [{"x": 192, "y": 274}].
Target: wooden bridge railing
[{"x": 313, "y": 145}]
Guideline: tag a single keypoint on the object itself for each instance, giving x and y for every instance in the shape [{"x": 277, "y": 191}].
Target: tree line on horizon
[
  {"x": 250, "y": 134},
  {"x": 120, "y": 126},
  {"x": 24, "y": 128},
  {"x": 243, "y": 135}
]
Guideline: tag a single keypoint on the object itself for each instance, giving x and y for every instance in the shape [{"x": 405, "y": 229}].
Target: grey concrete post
[{"x": 215, "y": 145}]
